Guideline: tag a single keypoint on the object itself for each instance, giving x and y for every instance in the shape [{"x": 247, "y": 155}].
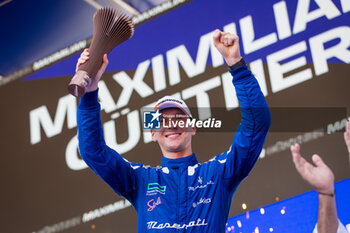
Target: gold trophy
[{"x": 111, "y": 28}]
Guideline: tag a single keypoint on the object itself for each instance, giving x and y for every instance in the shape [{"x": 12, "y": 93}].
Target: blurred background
[{"x": 297, "y": 49}]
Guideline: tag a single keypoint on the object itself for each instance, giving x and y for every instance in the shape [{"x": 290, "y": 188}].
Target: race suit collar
[{"x": 186, "y": 161}]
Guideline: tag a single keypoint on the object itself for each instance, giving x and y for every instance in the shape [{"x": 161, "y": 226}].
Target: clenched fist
[{"x": 228, "y": 46}]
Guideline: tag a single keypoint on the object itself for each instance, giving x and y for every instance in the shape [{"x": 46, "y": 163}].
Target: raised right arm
[{"x": 116, "y": 171}]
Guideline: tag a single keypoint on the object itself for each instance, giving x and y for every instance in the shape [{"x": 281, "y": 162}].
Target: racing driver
[{"x": 180, "y": 195}]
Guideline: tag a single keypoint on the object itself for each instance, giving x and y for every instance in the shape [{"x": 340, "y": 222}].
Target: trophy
[{"x": 111, "y": 28}]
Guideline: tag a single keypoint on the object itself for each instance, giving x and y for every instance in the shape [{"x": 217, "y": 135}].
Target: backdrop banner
[{"x": 298, "y": 51}]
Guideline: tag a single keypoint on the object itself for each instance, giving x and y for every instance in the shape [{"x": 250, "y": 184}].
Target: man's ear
[
  {"x": 194, "y": 130},
  {"x": 153, "y": 134}
]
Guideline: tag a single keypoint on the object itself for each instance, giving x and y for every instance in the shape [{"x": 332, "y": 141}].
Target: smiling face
[{"x": 174, "y": 141}]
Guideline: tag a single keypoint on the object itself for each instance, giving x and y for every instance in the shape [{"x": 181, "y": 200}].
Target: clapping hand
[{"x": 318, "y": 175}]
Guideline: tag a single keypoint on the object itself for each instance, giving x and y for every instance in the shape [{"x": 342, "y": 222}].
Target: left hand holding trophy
[{"x": 111, "y": 28}]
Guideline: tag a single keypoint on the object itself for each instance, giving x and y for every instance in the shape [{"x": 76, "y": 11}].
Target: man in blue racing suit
[{"x": 181, "y": 195}]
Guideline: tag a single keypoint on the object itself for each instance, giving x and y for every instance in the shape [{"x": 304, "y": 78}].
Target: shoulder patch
[
  {"x": 165, "y": 170},
  {"x": 222, "y": 161},
  {"x": 191, "y": 169},
  {"x": 135, "y": 167}
]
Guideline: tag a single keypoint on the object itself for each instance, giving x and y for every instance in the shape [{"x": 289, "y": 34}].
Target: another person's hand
[
  {"x": 82, "y": 59},
  {"x": 347, "y": 137},
  {"x": 228, "y": 46},
  {"x": 320, "y": 176}
]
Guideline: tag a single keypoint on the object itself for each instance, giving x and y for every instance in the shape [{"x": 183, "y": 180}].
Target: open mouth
[{"x": 173, "y": 135}]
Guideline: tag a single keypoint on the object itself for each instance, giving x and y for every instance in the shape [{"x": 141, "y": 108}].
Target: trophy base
[
  {"x": 76, "y": 90},
  {"x": 79, "y": 83}
]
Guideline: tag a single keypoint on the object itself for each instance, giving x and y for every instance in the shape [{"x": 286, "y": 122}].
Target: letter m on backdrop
[{"x": 67, "y": 106}]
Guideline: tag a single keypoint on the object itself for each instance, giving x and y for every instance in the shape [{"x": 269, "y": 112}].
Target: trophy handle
[{"x": 79, "y": 83}]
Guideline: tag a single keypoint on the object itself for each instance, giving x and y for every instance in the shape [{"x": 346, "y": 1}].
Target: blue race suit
[{"x": 181, "y": 195}]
